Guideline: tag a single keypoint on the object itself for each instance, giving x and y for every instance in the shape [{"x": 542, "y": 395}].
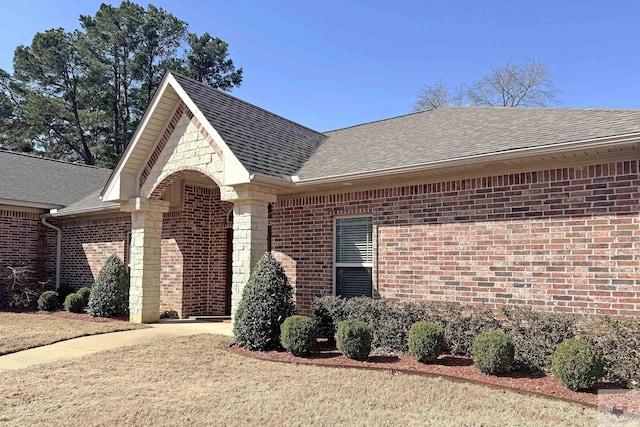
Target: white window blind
[{"x": 354, "y": 256}]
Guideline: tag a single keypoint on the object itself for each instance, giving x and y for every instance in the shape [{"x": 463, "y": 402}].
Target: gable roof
[
  {"x": 457, "y": 132},
  {"x": 27, "y": 179},
  {"x": 262, "y": 141}
]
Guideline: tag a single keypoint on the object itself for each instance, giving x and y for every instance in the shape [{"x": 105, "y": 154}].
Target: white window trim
[{"x": 352, "y": 264}]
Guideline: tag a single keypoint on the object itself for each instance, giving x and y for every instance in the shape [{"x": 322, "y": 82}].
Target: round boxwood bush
[
  {"x": 48, "y": 301},
  {"x": 64, "y": 290},
  {"x": 576, "y": 364},
  {"x": 110, "y": 294},
  {"x": 298, "y": 334},
  {"x": 267, "y": 299},
  {"x": 84, "y": 293},
  {"x": 493, "y": 352},
  {"x": 74, "y": 303},
  {"x": 426, "y": 341},
  {"x": 354, "y": 339}
]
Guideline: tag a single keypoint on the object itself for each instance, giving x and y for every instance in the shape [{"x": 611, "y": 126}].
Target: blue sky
[{"x": 333, "y": 64}]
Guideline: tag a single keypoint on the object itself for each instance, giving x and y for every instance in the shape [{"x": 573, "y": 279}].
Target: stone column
[
  {"x": 250, "y": 225},
  {"x": 145, "y": 258}
]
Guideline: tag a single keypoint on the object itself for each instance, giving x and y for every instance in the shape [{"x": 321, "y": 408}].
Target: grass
[
  {"x": 21, "y": 331},
  {"x": 196, "y": 381}
]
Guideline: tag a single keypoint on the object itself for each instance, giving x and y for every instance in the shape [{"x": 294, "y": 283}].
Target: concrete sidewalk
[{"x": 82, "y": 346}]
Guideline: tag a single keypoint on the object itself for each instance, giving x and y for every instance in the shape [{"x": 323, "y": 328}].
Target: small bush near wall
[
  {"x": 110, "y": 294},
  {"x": 493, "y": 352},
  {"x": 48, "y": 301},
  {"x": 63, "y": 291},
  {"x": 74, "y": 303},
  {"x": 84, "y": 293},
  {"x": 536, "y": 334},
  {"x": 267, "y": 299},
  {"x": 298, "y": 335},
  {"x": 618, "y": 342},
  {"x": 354, "y": 339},
  {"x": 576, "y": 364},
  {"x": 426, "y": 340}
]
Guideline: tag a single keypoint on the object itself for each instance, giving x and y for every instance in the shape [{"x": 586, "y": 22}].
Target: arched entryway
[{"x": 196, "y": 254}]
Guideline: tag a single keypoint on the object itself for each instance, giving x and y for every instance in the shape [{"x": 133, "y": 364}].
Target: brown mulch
[{"x": 454, "y": 368}]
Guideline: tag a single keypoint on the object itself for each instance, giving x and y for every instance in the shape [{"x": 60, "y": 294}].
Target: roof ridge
[
  {"x": 476, "y": 107},
  {"x": 383, "y": 120},
  {"x": 244, "y": 102},
  {"x": 33, "y": 156}
]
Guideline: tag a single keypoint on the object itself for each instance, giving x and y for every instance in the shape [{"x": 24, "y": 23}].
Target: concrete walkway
[{"x": 78, "y": 347}]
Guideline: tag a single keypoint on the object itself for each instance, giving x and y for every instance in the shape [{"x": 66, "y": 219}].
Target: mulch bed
[{"x": 451, "y": 367}]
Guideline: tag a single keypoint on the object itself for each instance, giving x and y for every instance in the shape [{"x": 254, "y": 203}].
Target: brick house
[{"x": 535, "y": 207}]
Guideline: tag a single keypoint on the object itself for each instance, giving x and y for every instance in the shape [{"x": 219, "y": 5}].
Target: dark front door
[{"x": 229, "y": 272}]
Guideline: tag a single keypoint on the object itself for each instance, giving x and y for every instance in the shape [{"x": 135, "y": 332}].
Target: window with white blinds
[{"x": 354, "y": 256}]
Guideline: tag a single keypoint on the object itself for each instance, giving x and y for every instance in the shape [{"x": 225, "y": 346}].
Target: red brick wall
[
  {"x": 563, "y": 239},
  {"x": 194, "y": 254},
  {"x": 87, "y": 242},
  {"x": 193, "y": 251},
  {"x": 25, "y": 241}
]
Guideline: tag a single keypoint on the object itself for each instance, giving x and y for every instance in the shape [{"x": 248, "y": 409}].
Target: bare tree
[
  {"x": 439, "y": 95},
  {"x": 514, "y": 85},
  {"x": 511, "y": 85}
]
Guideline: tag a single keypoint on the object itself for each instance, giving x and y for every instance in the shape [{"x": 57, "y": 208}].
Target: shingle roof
[
  {"x": 263, "y": 141},
  {"x": 449, "y": 133},
  {"x": 38, "y": 180}
]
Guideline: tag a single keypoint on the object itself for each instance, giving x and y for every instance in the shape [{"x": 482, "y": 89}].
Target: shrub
[
  {"x": 354, "y": 339},
  {"x": 84, "y": 293},
  {"x": 576, "y": 364},
  {"x": 110, "y": 294},
  {"x": 493, "y": 352},
  {"x": 63, "y": 291},
  {"x": 48, "y": 301},
  {"x": 266, "y": 302},
  {"x": 298, "y": 334},
  {"x": 618, "y": 342},
  {"x": 74, "y": 303},
  {"x": 535, "y": 335},
  {"x": 328, "y": 311},
  {"x": 426, "y": 340}
]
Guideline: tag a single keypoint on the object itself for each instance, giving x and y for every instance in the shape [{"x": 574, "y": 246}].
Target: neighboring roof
[
  {"x": 262, "y": 141},
  {"x": 89, "y": 203},
  {"x": 34, "y": 179},
  {"x": 455, "y": 132}
]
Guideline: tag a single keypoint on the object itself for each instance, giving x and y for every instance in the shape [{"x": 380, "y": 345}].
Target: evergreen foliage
[
  {"x": 267, "y": 300},
  {"x": 110, "y": 294}
]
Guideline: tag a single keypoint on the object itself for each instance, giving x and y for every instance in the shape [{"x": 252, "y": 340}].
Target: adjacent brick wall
[
  {"x": 563, "y": 239},
  {"x": 194, "y": 254},
  {"x": 87, "y": 242}
]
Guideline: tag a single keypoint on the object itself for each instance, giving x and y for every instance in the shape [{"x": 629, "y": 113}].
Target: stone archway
[{"x": 186, "y": 147}]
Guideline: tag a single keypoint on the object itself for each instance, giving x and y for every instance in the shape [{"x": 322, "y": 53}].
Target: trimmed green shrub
[
  {"x": 618, "y": 342},
  {"x": 493, "y": 352},
  {"x": 63, "y": 291},
  {"x": 298, "y": 335},
  {"x": 48, "y": 301},
  {"x": 110, "y": 294},
  {"x": 426, "y": 340},
  {"x": 354, "y": 339},
  {"x": 536, "y": 334},
  {"x": 266, "y": 302},
  {"x": 328, "y": 311},
  {"x": 74, "y": 303},
  {"x": 576, "y": 364},
  {"x": 85, "y": 293}
]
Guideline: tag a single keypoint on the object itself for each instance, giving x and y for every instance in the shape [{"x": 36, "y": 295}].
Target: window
[{"x": 354, "y": 257}]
